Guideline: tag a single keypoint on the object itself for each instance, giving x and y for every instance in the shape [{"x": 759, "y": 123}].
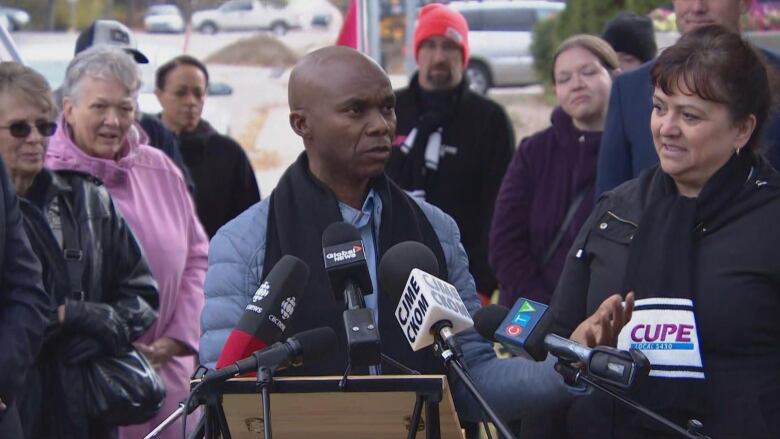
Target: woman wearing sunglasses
[
  {"x": 95, "y": 135},
  {"x": 77, "y": 234}
]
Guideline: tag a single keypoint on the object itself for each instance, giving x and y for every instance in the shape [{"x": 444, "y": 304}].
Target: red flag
[{"x": 349, "y": 35}]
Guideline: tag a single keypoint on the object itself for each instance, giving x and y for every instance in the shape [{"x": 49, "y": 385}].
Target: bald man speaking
[{"x": 342, "y": 107}]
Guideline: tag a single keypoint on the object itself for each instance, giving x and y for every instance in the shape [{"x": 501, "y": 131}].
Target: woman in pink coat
[{"x": 96, "y": 135}]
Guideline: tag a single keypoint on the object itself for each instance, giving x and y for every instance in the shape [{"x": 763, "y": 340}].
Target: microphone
[
  {"x": 430, "y": 311},
  {"x": 428, "y": 307},
  {"x": 305, "y": 346},
  {"x": 524, "y": 330},
  {"x": 264, "y": 319},
  {"x": 345, "y": 263}
]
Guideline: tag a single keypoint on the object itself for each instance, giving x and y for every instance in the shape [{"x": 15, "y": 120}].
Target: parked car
[
  {"x": 13, "y": 18},
  {"x": 246, "y": 15},
  {"x": 163, "y": 18},
  {"x": 500, "y": 35}
]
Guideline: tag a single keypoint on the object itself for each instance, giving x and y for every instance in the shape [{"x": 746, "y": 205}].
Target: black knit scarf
[
  {"x": 661, "y": 262},
  {"x": 301, "y": 207}
]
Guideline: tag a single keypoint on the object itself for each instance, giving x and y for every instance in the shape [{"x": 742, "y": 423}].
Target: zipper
[{"x": 622, "y": 220}]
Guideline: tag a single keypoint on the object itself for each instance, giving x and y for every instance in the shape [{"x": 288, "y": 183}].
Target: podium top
[{"x": 375, "y": 406}]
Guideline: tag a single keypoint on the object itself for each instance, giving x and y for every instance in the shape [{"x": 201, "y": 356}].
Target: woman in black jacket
[
  {"x": 93, "y": 269},
  {"x": 225, "y": 184},
  {"x": 695, "y": 239}
]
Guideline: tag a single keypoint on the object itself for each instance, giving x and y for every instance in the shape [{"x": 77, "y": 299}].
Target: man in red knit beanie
[
  {"x": 439, "y": 27},
  {"x": 452, "y": 145}
]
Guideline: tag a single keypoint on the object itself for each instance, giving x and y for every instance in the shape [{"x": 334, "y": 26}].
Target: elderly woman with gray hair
[{"x": 95, "y": 135}]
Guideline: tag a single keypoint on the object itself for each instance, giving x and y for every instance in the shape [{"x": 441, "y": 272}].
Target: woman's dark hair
[
  {"x": 182, "y": 60},
  {"x": 718, "y": 65}
]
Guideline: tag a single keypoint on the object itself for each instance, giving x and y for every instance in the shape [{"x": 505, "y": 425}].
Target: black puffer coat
[{"x": 115, "y": 306}]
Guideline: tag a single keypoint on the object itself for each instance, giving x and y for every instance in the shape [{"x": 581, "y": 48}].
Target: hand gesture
[{"x": 603, "y": 327}]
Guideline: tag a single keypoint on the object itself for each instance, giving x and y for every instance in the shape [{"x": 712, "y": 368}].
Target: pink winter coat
[{"x": 150, "y": 192}]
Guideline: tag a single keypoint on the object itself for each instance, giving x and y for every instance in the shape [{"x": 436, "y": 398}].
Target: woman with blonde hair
[{"x": 547, "y": 192}]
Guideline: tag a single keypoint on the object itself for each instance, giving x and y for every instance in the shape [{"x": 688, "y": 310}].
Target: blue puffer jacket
[{"x": 515, "y": 387}]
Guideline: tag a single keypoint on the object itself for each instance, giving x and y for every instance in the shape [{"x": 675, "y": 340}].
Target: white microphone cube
[{"x": 425, "y": 301}]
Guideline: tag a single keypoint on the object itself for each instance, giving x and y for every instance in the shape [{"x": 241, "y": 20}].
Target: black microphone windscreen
[
  {"x": 344, "y": 258},
  {"x": 292, "y": 272},
  {"x": 487, "y": 319},
  {"x": 339, "y": 233},
  {"x": 399, "y": 261},
  {"x": 317, "y": 342}
]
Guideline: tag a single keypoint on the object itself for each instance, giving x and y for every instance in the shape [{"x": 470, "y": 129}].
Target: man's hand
[
  {"x": 162, "y": 350},
  {"x": 603, "y": 327}
]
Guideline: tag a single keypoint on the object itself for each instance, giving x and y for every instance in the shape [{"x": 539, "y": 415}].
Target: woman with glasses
[
  {"x": 96, "y": 135},
  {"x": 80, "y": 239}
]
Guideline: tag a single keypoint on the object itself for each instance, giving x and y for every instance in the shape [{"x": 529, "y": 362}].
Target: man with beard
[{"x": 452, "y": 146}]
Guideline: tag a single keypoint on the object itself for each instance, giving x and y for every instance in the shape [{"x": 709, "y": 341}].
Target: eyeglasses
[{"x": 21, "y": 128}]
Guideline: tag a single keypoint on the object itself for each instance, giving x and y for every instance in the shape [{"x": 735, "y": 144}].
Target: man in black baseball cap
[{"x": 112, "y": 33}]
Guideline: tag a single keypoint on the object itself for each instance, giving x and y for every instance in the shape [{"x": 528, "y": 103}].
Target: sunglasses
[{"x": 21, "y": 128}]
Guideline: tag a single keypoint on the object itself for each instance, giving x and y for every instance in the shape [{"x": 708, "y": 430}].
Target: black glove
[
  {"x": 98, "y": 320},
  {"x": 80, "y": 348}
]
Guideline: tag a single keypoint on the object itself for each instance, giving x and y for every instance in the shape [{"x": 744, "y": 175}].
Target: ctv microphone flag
[
  {"x": 266, "y": 317},
  {"x": 525, "y": 331},
  {"x": 427, "y": 300},
  {"x": 518, "y": 330}
]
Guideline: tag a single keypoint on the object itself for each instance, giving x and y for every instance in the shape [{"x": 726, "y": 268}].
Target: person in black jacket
[
  {"x": 695, "y": 240},
  {"x": 94, "y": 271},
  {"x": 24, "y": 306},
  {"x": 452, "y": 146},
  {"x": 225, "y": 183}
]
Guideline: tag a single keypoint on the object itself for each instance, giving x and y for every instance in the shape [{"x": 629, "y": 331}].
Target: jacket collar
[
  {"x": 45, "y": 187},
  {"x": 629, "y": 200}
]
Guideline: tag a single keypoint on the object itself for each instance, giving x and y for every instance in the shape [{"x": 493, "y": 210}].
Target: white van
[{"x": 500, "y": 35}]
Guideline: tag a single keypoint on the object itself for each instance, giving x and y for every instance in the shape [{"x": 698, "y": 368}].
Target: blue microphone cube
[{"x": 517, "y": 333}]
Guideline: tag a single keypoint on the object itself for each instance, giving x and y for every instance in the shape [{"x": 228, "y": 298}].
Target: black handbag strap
[
  {"x": 74, "y": 256},
  {"x": 567, "y": 219}
]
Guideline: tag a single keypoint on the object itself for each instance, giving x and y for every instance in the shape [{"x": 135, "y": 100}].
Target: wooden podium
[{"x": 315, "y": 407}]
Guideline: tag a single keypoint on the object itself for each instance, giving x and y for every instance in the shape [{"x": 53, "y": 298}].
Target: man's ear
[{"x": 299, "y": 123}]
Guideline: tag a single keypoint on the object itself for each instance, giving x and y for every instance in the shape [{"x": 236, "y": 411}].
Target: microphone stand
[
  {"x": 575, "y": 375},
  {"x": 265, "y": 378},
  {"x": 362, "y": 333},
  {"x": 442, "y": 333}
]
